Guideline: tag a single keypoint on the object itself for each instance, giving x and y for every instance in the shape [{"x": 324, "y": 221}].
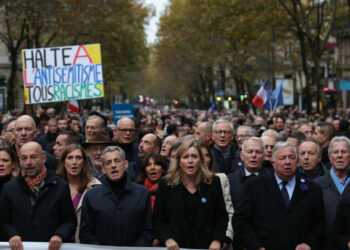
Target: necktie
[{"x": 285, "y": 193}]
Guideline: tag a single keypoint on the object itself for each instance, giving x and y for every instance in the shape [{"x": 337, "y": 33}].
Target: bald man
[
  {"x": 26, "y": 131},
  {"x": 125, "y": 132},
  {"x": 36, "y": 206}
]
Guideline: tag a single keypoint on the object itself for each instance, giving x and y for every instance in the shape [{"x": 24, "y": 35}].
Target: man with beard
[{"x": 36, "y": 206}]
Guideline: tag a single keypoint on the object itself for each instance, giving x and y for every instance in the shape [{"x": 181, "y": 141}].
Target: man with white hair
[
  {"x": 252, "y": 155},
  {"x": 225, "y": 159},
  {"x": 280, "y": 210},
  {"x": 335, "y": 183}
]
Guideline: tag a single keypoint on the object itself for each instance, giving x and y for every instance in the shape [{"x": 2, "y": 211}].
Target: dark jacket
[
  {"x": 321, "y": 171},
  {"x": 37, "y": 218},
  {"x": 331, "y": 197},
  {"x": 170, "y": 214},
  {"x": 341, "y": 235},
  {"x": 134, "y": 168},
  {"x": 237, "y": 180},
  {"x": 107, "y": 220},
  {"x": 131, "y": 150},
  {"x": 229, "y": 164},
  {"x": 262, "y": 218},
  {"x": 325, "y": 160}
]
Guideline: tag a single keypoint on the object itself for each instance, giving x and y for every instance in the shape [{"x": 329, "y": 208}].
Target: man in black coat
[
  {"x": 118, "y": 212},
  {"x": 226, "y": 157},
  {"x": 335, "y": 183},
  {"x": 252, "y": 155},
  {"x": 36, "y": 206},
  {"x": 281, "y": 211}
]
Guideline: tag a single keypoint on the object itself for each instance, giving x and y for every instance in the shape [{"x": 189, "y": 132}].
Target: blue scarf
[{"x": 340, "y": 184}]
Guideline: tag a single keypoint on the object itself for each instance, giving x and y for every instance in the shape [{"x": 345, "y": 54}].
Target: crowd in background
[{"x": 176, "y": 178}]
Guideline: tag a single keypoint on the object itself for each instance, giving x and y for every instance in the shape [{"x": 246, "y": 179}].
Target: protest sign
[
  {"x": 62, "y": 73},
  {"x": 122, "y": 110}
]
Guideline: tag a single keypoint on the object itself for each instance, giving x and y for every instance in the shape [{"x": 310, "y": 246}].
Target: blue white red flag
[
  {"x": 74, "y": 106},
  {"x": 262, "y": 96}
]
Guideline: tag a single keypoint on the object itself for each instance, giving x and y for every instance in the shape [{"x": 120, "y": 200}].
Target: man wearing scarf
[{"x": 36, "y": 206}]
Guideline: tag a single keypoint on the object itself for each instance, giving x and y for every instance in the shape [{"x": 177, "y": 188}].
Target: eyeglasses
[
  {"x": 126, "y": 130},
  {"x": 225, "y": 132}
]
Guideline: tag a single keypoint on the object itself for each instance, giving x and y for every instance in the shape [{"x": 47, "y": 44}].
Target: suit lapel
[{"x": 273, "y": 188}]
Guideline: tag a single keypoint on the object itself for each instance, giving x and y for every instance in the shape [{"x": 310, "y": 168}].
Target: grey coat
[{"x": 331, "y": 197}]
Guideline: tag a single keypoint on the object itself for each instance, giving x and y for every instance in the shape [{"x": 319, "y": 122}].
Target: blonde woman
[{"x": 189, "y": 208}]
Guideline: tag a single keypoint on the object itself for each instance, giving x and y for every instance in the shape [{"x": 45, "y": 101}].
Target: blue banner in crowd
[{"x": 121, "y": 110}]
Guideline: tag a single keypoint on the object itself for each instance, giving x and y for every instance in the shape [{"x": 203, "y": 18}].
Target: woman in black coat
[{"x": 189, "y": 209}]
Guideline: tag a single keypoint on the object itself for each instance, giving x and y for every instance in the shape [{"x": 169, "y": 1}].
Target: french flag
[
  {"x": 262, "y": 96},
  {"x": 74, "y": 106}
]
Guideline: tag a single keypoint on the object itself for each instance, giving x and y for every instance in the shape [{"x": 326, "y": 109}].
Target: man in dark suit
[
  {"x": 252, "y": 155},
  {"x": 280, "y": 211}
]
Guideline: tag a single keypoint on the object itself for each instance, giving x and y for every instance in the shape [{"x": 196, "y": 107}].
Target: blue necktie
[{"x": 285, "y": 193}]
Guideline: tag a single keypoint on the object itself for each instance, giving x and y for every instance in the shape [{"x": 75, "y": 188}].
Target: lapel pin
[{"x": 204, "y": 200}]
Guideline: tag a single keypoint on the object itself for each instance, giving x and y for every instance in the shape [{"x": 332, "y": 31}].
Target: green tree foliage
[
  {"x": 209, "y": 45},
  {"x": 117, "y": 24}
]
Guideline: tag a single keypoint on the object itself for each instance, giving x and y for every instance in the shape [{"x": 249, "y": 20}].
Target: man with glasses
[
  {"x": 335, "y": 183},
  {"x": 225, "y": 158},
  {"x": 26, "y": 131},
  {"x": 125, "y": 132}
]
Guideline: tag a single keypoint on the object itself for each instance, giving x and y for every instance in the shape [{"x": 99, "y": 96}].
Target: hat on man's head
[{"x": 99, "y": 138}]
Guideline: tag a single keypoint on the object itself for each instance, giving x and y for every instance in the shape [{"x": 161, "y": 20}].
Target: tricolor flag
[
  {"x": 263, "y": 95},
  {"x": 74, "y": 106}
]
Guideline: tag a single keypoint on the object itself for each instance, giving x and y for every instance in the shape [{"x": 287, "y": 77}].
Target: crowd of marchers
[{"x": 176, "y": 178}]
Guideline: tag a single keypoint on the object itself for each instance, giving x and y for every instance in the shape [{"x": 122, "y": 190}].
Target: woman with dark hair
[
  {"x": 225, "y": 185},
  {"x": 73, "y": 167},
  {"x": 189, "y": 209},
  {"x": 8, "y": 166},
  {"x": 152, "y": 169}
]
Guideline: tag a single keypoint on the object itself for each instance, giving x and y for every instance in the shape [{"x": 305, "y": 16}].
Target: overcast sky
[{"x": 152, "y": 28}]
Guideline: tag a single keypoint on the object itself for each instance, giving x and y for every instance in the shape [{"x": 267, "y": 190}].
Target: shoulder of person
[
  {"x": 139, "y": 188},
  {"x": 322, "y": 180},
  {"x": 94, "y": 182}
]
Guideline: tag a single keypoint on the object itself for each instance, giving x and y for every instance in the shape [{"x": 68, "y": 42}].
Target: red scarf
[
  {"x": 151, "y": 187},
  {"x": 36, "y": 180}
]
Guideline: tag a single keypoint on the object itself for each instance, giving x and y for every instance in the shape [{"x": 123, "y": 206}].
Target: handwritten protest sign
[{"x": 62, "y": 73}]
